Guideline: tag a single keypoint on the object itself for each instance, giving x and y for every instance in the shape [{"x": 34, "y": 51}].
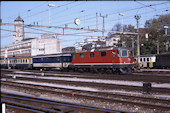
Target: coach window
[
  {"x": 58, "y": 58},
  {"x": 103, "y": 53},
  {"x": 124, "y": 53},
  {"x": 148, "y": 59},
  {"x": 47, "y": 59},
  {"x": 53, "y": 59},
  {"x": 81, "y": 55},
  {"x": 141, "y": 59},
  {"x": 144, "y": 59},
  {"x": 91, "y": 54}
]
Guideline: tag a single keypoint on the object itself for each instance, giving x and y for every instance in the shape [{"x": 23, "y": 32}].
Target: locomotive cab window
[
  {"x": 124, "y": 53},
  {"x": 103, "y": 53},
  {"x": 131, "y": 53}
]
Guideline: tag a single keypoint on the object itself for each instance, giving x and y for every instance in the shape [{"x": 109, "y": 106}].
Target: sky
[{"x": 65, "y": 12}]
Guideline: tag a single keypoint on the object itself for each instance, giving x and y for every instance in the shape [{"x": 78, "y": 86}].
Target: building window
[
  {"x": 41, "y": 49},
  {"x": 103, "y": 53},
  {"x": 91, "y": 54}
]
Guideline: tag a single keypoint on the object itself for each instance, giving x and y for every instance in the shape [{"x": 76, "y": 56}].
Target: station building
[{"x": 24, "y": 47}]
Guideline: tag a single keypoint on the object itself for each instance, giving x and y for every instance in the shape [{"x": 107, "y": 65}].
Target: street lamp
[
  {"x": 121, "y": 14},
  {"x": 50, "y": 5}
]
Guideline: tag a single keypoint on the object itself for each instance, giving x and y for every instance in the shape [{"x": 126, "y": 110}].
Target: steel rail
[
  {"x": 60, "y": 103},
  {"x": 77, "y": 92},
  {"x": 104, "y": 85},
  {"x": 26, "y": 107},
  {"x": 112, "y": 100}
]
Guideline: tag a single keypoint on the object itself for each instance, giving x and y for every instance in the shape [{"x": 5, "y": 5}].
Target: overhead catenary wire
[
  {"x": 56, "y": 34},
  {"x": 130, "y": 16},
  {"x": 35, "y": 14},
  {"x": 108, "y": 22},
  {"x": 79, "y": 29},
  {"x": 89, "y": 32},
  {"x": 130, "y": 10}
]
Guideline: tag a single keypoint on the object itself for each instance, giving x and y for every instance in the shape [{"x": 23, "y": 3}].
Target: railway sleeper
[{"x": 63, "y": 109}]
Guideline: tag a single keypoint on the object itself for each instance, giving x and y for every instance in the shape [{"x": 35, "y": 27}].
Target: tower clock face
[{"x": 77, "y": 21}]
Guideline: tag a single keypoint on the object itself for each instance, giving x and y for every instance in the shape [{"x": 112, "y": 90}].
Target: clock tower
[{"x": 18, "y": 29}]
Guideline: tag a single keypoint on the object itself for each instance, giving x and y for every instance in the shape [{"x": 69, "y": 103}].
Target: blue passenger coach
[{"x": 56, "y": 61}]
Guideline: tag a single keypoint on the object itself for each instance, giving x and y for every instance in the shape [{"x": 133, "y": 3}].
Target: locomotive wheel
[
  {"x": 108, "y": 71},
  {"x": 102, "y": 71},
  {"x": 125, "y": 70}
]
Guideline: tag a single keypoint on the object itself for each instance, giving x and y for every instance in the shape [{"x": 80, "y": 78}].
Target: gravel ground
[{"x": 97, "y": 103}]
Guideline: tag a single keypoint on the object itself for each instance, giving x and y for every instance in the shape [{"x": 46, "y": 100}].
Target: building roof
[
  {"x": 151, "y": 55},
  {"x": 19, "y": 19},
  {"x": 25, "y": 39}
]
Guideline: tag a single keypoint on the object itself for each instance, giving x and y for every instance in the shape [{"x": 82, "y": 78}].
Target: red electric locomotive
[{"x": 104, "y": 60}]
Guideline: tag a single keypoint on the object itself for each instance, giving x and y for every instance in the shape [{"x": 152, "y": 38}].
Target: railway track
[
  {"x": 29, "y": 103},
  {"x": 108, "y": 86},
  {"x": 152, "y": 103},
  {"x": 160, "y": 78}
]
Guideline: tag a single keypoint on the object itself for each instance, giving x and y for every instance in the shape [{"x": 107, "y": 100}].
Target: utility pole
[
  {"x": 103, "y": 22},
  {"x": 133, "y": 46},
  {"x": 157, "y": 42},
  {"x": 96, "y": 22},
  {"x": 137, "y": 17},
  {"x": 121, "y": 14},
  {"x": 50, "y": 5}
]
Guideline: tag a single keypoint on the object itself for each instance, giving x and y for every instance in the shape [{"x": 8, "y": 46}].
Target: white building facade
[
  {"x": 32, "y": 47},
  {"x": 46, "y": 45},
  {"x": 93, "y": 40},
  {"x": 112, "y": 41},
  {"x": 25, "y": 47}
]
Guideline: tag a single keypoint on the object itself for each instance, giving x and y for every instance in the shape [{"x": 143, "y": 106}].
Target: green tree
[{"x": 155, "y": 29}]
